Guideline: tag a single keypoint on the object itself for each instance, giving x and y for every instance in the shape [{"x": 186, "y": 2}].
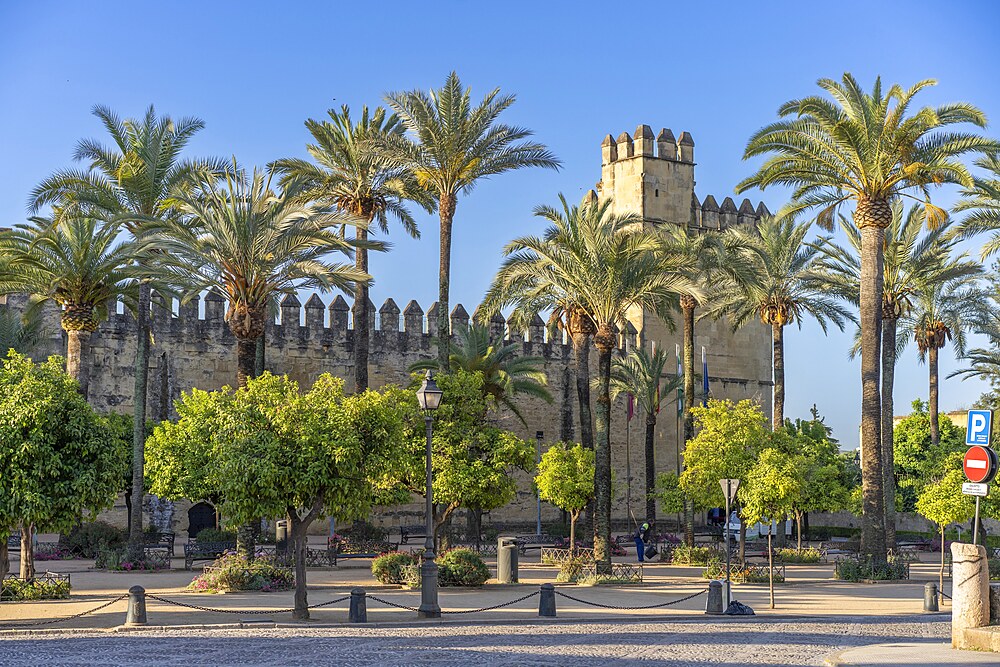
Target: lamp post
[
  {"x": 538, "y": 498},
  {"x": 429, "y": 398}
]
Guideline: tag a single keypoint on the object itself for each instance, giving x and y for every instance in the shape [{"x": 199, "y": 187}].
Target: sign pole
[
  {"x": 729, "y": 583},
  {"x": 975, "y": 525}
]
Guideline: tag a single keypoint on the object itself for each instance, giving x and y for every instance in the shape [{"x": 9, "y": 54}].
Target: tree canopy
[{"x": 566, "y": 479}]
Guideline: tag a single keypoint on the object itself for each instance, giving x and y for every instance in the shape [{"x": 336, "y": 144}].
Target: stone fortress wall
[{"x": 193, "y": 347}]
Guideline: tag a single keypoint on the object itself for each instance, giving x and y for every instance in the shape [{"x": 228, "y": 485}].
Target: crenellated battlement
[
  {"x": 643, "y": 144},
  {"x": 708, "y": 215}
]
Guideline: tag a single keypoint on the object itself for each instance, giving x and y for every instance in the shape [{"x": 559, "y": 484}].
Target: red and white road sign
[{"x": 980, "y": 464}]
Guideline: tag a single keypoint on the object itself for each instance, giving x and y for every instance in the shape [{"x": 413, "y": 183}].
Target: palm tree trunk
[
  {"x": 139, "y": 424},
  {"x": 581, "y": 358},
  {"x": 261, "y": 357},
  {"x": 932, "y": 406},
  {"x": 650, "y": 466},
  {"x": 27, "y": 551},
  {"x": 778, "y": 351},
  {"x": 873, "y": 498},
  {"x": 246, "y": 369},
  {"x": 888, "y": 456},
  {"x": 78, "y": 358},
  {"x": 446, "y": 211},
  {"x": 604, "y": 340},
  {"x": 361, "y": 318},
  {"x": 687, "y": 307}
]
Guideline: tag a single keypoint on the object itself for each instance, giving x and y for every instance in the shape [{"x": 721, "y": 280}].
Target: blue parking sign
[{"x": 979, "y": 428}]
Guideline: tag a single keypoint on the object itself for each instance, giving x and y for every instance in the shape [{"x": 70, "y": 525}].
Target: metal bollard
[
  {"x": 359, "y": 607},
  {"x": 547, "y": 601},
  {"x": 930, "y": 596},
  {"x": 136, "y": 614},
  {"x": 715, "y": 601}
]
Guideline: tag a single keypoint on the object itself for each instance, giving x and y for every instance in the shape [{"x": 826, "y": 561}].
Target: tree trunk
[
  {"x": 78, "y": 358},
  {"x": 604, "y": 340},
  {"x": 261, "y": 357},
  {"x": 139, "y": 424},
  {"x": 246, "y": 360},
  {"x": 932, "y": 403},
  {"x": 888, "y": 456},
  {"x": 650, "y": 467},
  {"x": 778, "y": 351},
  {"x": 300, "y": 541},
  {"x": 572, "y": 530},
  {"x": 446, "y": 211},
  {"x": 798, "y": 531},
  {"x": 361, "y": 317},
  {"x": 580, "y": 335},
  {"x": 687, "y": 307},
  {"x": 4, "y": 557},
  {"x": 941, "y": 571},
  {"x": 743, "y": 540},
  {"x": 27, "y": 551},
  {"x": 873, "y": 498},
  {"x": 770, "y": 564}
]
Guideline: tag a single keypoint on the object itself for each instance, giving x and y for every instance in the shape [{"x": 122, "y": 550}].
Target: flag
[
  {"x": 680, "y": 386},
  {"x": 631, "y": 406},
  {"x": 704, "y": 375}
]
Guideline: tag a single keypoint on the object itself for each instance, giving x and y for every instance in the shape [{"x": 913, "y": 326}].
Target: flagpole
[{"x": 628, "y": 465}]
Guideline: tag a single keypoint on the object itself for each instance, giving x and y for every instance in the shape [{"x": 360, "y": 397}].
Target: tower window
[{"x": 656, "y": 193}]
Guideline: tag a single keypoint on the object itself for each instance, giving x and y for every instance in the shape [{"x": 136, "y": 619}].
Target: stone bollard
[
  {"x": 715, "y": 601},
  {"x": 136, "y": 614},
  {"x": 970, "y": 604},
  {"x": 547, "y": 601},
  {"x": 359, "y": 607},
  {"x": 995, "y": 604},
  {"x": 930, "y": 596}
]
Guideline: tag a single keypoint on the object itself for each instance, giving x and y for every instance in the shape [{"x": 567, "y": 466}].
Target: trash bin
[
  {"x": 507, "y": 560},
  {"x": 281, "y": 535}
]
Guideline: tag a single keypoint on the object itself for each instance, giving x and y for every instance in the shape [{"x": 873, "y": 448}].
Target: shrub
[
  {"x": 215, "y": 535},
  {"x": 994, "y": 564},
  {"x": 682, "y": 554},
  {"x": 462, "y": 567},
  {"x": 716, "y": 569},
  {"x": 388, "y": 568},
  {"x": 34, "y": 589},
  {"x": 798, "y": 556},
  {"x": 235, "y": 573},
  {"x": 118, "y": 559},
  {"x": 53, "y": 552},
  {"x": 862, "y": 569},
  {"x": 87, "y": 539},
  {"x": 571, "y": 569}
]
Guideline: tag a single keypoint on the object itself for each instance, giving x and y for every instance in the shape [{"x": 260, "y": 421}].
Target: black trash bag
[
  {"x": 738, "y": 609},
  {"x": 651, "y": 551}
]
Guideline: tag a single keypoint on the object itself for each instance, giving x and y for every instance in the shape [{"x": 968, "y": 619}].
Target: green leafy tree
[
  {"x": 918, "y": 459},
  {"x": 866, "y": 149},
  {"x": 641, "y": 375},
  {"x": 668, "y": 491},
  {"x": 57, "y": 458},
  {"x": 455, "y": 145},
  {"x": 942, "y": 502},
  {"x": 349, "y": 173},
  {"x": 131, "y": 182},
  {"x": 604, "y": 264},
  {"x": 506, "y": 371},
  {"x": 268, "y": 449},
  {"x": 78, "y": 264},
  {"x": 826, "y": 486},
  {"x": 566, "y": 479}
]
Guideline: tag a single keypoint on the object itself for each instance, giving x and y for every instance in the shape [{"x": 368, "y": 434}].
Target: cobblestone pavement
[{"x": 720, "y": 642}]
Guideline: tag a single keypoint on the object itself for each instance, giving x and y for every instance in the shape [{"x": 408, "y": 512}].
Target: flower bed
[
  {"x": 48, "y": 586},
  {"x": 235, "y": 573},
  {"x": 685, "y": 555},
  {"x": 388, "y": 568},
  {"x": 798, "y": 555},
  {"x": 118, "y": 559},
  {"x": 862, "y": 569},
  {"x": 457, "y": 567}
]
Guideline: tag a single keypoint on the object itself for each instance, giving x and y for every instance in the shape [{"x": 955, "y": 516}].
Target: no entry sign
[{"x": 980, "y": 464}]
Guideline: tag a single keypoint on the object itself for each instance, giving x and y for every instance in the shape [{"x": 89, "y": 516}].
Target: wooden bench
[
  {"x": 343, "y": 548},
  {"x": 195, "y": 550}
]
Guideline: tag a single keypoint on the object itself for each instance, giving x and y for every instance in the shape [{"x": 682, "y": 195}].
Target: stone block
[{"x": 971, "y": 590}]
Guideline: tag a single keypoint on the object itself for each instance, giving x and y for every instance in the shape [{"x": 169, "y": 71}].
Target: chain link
[
  {"x": 624, "y": 608},
  {"x": 391, "y": 603},
  {"x": 456, "y": 611},
  {"x": 241, "y": 611},
  {"x": 15, "y": 626}
]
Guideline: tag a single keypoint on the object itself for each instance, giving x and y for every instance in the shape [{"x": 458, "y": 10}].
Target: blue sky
[{"x": 254, "y": 71}]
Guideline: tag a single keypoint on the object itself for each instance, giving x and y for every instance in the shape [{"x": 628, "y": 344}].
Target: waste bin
[
  {"x": 507, "y": 560},
  {"x": 281, "y": 535}
]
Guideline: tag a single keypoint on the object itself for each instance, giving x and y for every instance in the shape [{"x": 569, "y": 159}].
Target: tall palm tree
[
  {"x": 17, "y": 332},
  {"x": 131, "y": 182},
  {"x": 943, "y": 311},
  {"x": 642, "y": 374},
  {"x": 603, "y": 264},
  {"x": 350, "y": 174},
  {"x": 783, "y": 287},
  {"x": 455, "y": 146},
  {"x": 237, "y": 236},
  {"x": 910, "y": 258},
  {"x": 983, "y": 200},
  {"x": 866, "y": 149},
  {"x": 506, "y": 372},
  {"x": 77, "y": 263}
]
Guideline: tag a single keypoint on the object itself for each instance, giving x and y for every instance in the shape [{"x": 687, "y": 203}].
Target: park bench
[
  {"x": 286, "y": 558},
  {"x": 525, "y": 542},
  {"x": 406, "y": 532},
  {"x": 14, "y": 541},
  {"x": 161, "y": 542},
  {"x": 195, "y": 550},
  {"x": 344, "y": 548}
]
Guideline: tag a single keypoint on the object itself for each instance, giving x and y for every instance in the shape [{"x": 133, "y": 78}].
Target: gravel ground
[{"x": 717, "y": 642}]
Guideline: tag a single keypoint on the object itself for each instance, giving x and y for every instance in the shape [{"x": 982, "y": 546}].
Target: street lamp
[{"x": 429, "y": 398}]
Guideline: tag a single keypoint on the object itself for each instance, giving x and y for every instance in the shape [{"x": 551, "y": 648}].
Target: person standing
[{"x": 641, "y": 536}]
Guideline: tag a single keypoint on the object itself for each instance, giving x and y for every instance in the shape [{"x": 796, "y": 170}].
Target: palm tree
[
  {"x": 130, "y": 182},
  {"x": 866, "y": 149},
  {"x": 603, "y": 265},
  {"x": 352, "y": 176},
  {"x": 943, "y": 311},
  {"x": 506, "y": 373},
  {"x": 983, "y": 200},
  {"x": 910, "y": 258},
  {"x": 642, "y": 375},
  {"x": 456, "y": 145},
  {"x": 781, "y": 290},
  {"x": 237, "y": 236},
  {"x": 76, "y": 263},
  {"x": 18, "y": 332}
]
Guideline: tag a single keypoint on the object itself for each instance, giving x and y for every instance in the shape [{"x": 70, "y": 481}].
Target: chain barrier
[
  {"x": 150, "y": 596},
  {"x": 945, "y": 594},
  {"x": 15, "y": 626},
  {"x": 624, "y": 608},
  {"x": 391, "y": 603},
  {"x": 457, "y": 611}
]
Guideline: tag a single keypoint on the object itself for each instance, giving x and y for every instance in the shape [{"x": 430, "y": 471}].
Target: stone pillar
[{"x": 970, "y": 605}]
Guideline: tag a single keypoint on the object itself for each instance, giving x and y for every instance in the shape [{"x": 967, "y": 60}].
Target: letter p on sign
[{"x": 979, "y": 429}]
